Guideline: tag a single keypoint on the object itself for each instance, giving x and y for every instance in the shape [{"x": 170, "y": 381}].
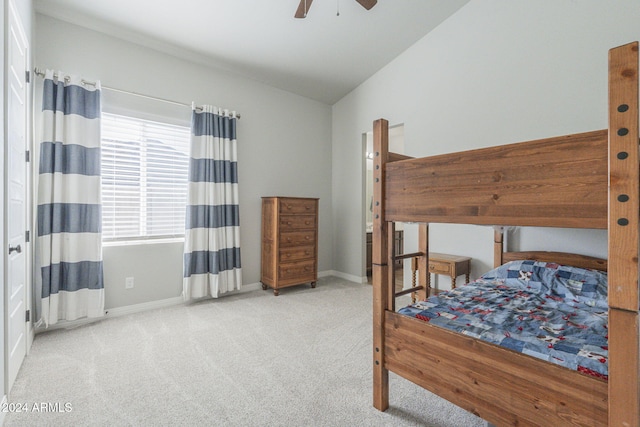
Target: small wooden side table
[{"x": 451, "y": 265}]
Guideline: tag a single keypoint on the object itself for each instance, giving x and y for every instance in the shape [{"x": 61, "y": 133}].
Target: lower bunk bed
[
  {"x": 550, "y": 311},
  {"x": 484, "y": 345},
  {"x": 588, "y": 180}
]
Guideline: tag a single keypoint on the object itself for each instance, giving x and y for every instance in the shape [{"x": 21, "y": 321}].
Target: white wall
[
  {"x": 284, "y": 145},
  {"x": 496, "y": 72}
]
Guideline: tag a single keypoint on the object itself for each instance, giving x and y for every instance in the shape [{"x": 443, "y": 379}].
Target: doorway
[{"x": 396, "y": 145}]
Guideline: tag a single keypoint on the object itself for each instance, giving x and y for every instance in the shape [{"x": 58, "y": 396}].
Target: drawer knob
[
  {"x": 289, "y": 223},
  {"x": 307, "y": 237},
  {"x": 307, "y": 222},
  {"x": 289, "y": 207},
  {"x": 288, "y": 239}
]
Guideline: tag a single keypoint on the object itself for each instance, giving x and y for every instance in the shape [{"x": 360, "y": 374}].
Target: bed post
[
  {"x": 624, "y": 195},
  {"x": 424, "y": 277},
  {"x": 391, "y": 266},
  {"x": 381, "y": 286},
  {"x": 498, "y": 246}
]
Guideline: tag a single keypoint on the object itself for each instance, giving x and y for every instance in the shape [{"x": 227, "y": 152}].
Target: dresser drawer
[
  {"x": 297, "y": 238},
  {"x": 438, "y": 267},
  {"x": 297, "y": 271},
  {"x": 298, "y": 206},
  {"x": 297, "y": 253},
  {"x": 297, "y": 222}
]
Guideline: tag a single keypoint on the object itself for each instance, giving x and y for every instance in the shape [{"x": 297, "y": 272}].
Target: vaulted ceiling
[{"x": 322, "y": 57}]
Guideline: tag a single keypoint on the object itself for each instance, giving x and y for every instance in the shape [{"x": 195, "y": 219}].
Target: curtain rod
[{"x": 40, "y": 73}]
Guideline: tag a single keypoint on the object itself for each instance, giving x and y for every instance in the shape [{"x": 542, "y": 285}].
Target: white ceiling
[{"x": 322, "y": 57}]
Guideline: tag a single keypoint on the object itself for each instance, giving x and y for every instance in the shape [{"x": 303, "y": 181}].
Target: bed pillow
[{"x": 571, "y": 284}]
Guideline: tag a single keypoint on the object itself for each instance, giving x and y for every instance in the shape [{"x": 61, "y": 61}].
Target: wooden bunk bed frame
[{"x": 586, "y": 180}]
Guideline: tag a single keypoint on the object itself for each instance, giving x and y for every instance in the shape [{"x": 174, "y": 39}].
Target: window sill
[{"x": 142, "y": 242}]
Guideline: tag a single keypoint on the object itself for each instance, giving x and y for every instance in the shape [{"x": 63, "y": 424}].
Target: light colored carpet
[{"x": 300, "y": 359}]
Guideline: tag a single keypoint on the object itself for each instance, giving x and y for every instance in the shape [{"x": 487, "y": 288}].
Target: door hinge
[
  {"x": 27, "y": 236},
  {"x": 27, "y": 76},
  {"x": 27, "y": 156},
  {"x": 27, "y": 316}
]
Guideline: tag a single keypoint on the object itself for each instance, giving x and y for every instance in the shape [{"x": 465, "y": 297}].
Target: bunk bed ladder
[{"x": 415, "y": 257}]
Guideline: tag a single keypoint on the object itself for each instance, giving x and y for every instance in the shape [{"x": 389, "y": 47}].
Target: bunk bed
[{"x": 586, "y": 180}]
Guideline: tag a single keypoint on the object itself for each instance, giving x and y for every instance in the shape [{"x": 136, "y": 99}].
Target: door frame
[{"x": 396, "y": 145}]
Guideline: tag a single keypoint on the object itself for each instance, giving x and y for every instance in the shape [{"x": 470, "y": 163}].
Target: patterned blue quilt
[{"x": 549, "y": 311}]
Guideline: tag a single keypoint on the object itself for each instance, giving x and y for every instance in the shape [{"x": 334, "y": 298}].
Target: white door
[{"x": 16, "y": 178}]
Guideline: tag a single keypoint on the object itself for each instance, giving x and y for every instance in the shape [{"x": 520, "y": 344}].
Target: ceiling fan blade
[
  {"x": 367, "y": 4},
  {"x": 301, "y": 12}
]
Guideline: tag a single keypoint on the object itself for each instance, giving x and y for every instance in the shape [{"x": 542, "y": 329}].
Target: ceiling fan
[{"x": 303, "y": 7}]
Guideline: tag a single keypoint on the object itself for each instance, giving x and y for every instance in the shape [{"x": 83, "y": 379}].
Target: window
[{"x": 145, "y": 168}]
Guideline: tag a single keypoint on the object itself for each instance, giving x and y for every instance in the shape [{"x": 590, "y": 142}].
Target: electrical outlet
[{"x": 128, "y": 283}]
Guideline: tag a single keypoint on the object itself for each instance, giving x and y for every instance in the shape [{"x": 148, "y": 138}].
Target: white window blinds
[{"x": 145, "y": 168}]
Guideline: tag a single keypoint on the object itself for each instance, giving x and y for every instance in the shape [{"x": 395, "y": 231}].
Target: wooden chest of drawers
[{"x": 289, "y": 242}]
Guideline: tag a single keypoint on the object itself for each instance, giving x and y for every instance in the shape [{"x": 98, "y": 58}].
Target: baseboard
[
  {"x": 325, "y": 273},
  {"x": 153, "y": 305},
  {"x": 248, "y": 288},
  {"x": 113, "y": 312},
  {"x": 341, "y": 275},
  {"x": 145, "y": 306}
]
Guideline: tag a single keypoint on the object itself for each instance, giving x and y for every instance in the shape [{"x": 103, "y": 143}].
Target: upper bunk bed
[{"x": 585, "y": 180}]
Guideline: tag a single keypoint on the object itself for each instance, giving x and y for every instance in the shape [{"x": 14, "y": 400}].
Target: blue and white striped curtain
[
  {"x": 69, "y": 201},
  {"x": 212, "y": 234}
]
